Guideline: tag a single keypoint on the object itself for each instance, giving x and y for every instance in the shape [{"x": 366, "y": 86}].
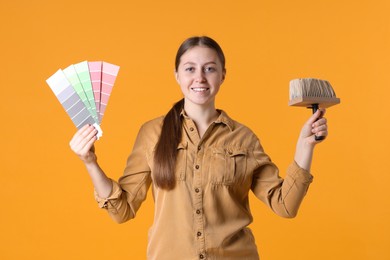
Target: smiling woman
[
  {"x": 199, "y": 70},
  {"x": 202, "y": 165}
]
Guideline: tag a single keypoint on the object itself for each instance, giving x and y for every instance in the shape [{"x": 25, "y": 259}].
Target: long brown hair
[{"x": 171, "y": 132}]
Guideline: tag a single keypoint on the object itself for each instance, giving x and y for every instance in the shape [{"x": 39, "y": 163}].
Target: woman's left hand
[{"x": 315, "y": 126}]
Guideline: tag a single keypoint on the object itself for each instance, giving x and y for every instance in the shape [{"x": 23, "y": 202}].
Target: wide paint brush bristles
[{"x": 308, "y": 91}]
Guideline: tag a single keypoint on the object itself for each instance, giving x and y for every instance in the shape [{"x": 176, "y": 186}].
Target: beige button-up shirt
[{"x": 207, "y": 213}]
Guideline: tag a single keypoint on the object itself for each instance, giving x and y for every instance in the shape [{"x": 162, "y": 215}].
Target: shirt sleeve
[
  {"x": 283, "y": 196},
  {"x": 131, "y": 189}
]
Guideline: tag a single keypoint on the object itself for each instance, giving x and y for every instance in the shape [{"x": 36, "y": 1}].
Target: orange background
[{"x": 48, "y": 210}]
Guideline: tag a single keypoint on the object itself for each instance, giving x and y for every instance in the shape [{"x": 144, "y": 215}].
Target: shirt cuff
[
  {"x": 300, "y": 174},
  {"x": 116, "y": 192}
]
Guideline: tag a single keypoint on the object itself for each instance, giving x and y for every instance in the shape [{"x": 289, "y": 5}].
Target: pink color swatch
[
  {"x": 109, "y": 74},
  {"x": 95, "y": 71}
]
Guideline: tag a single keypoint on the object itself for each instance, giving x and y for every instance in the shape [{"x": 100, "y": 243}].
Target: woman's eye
[
  {"x": 209, "y": 69},
  {"x": 190, "y": 69}
]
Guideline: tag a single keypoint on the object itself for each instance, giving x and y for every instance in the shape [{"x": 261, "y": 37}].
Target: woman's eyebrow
[
  {"x": 193, "y": 63},
  {"x": 211, "y": 62}
]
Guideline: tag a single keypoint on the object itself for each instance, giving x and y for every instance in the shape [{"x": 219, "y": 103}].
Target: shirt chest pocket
[{"x": 227, "y": 165}]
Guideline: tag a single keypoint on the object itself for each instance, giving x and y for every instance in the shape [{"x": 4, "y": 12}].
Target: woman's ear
[
  {"x": 223, "y": 76},
  {"x": 176, "y": 76}
]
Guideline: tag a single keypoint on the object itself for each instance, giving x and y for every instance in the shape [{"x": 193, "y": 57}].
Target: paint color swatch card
[
  {"x": 109, "y": 74},
  {"x": 83, "y": 89},
  {"x": 95, "y": 71}
]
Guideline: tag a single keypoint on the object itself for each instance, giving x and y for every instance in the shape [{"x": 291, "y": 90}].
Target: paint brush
[{"x": 312, "y": 93}]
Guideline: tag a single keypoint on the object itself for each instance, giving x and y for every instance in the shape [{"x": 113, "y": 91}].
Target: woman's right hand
[{"x": 82, "y": 144}]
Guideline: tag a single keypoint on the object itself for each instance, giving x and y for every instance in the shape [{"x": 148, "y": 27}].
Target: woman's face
[{"x": 200, "y": 74}]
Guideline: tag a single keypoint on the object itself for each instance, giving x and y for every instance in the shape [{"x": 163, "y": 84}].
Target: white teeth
[{"x": 199, "y": 89}]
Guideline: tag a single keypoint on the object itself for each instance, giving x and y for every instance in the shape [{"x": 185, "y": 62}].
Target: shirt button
[
  {"x": 199, "y": 234},
  {"x": 198, "y": 211},
  {"x": 192, "y": 129},
  {"x": 201, "y": 256},
  {"x": 197, "y": 190},
  {"x": 197, "y": 167}
]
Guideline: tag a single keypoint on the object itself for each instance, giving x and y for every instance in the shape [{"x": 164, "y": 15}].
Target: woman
[{"x": 201, "y": 165}]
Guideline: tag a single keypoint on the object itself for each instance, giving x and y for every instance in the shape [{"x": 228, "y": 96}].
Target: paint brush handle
[{"x": 314, "y": 107}]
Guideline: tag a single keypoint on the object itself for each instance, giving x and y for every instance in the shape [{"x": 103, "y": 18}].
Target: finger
[
  {"x": 319, "y": 122},
  {"x": 82, "y": 138},
  {"x": 77, "y": 139},
  {"x": 319, "y": 128},
  {"x": 84, "y": 133},
  {"x": 322, "y": 133},
  {"x": 76, "y": 136},
  {"x": 89, "y": 146},
  {"x": 318, "y": 114},
  {"x": 87, "y": 136}
]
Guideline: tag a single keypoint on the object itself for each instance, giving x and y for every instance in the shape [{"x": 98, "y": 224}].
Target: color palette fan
[{"x": 83, "y": 90}]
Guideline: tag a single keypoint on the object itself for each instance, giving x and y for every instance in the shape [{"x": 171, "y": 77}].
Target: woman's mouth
[{"x": 200, "y": 89}]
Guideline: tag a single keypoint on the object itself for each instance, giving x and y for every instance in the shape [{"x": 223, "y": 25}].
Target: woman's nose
[{"x": 200, "y": 76}]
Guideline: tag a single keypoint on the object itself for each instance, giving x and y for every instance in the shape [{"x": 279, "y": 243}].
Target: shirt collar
[{"x": 223, "y": 118}]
